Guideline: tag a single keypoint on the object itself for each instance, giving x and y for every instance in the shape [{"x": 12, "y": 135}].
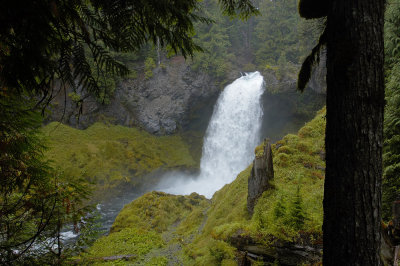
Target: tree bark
[{"x": 355, "y": 101}]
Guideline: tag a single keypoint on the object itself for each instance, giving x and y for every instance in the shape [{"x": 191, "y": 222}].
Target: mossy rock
[
  {"x": 113, "y": 156},
  {"x": 297, "y": 165},
  {"x": 259, "y": 151},
  {"x": 152, "y": 222},
  {"x": 157, "y": 211},
  {"x": 129, "y": 241},
  {"x": 285, "y": 149},
  {"x": 204, "y": 229}
]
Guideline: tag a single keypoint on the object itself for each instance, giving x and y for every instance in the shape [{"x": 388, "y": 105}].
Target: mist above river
[{"x": 231, "y": 136}]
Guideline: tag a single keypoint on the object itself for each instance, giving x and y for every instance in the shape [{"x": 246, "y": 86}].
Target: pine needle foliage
[
  {"x": 391, "y": 147},
  {"x": 296, "y": 213},
  {"x": 36, "y": 201},
  {"x": 46, "y": 44}
]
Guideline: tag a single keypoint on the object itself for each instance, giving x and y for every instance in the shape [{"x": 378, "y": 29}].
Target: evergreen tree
[
  {"x": 48, "y": 45},
  {"x": 276, "y": 32},
  {"x": 35, "y": 200},
  {"x": 296, "y": 214},
  {"x": 45, "y": 43},
  {"x": 279, "y": 210},
  {"x": 216, "y": 58},
  {"x": 391, "y": 149}
]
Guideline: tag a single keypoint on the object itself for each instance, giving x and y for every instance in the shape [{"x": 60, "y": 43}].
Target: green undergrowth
[
  {"x": 293, "y": 208},
  {"x": 151, "y": 223},
  {"x": 130, "y": 241},
  {"x": 157, "y": 211},
  {"x": 111, "y": 156},
  {"x": 290, "y": 211},
  {"x": 228, "y": 212}
]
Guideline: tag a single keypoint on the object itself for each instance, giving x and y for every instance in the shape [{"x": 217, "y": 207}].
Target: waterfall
[{"x": 231, "y": 136}]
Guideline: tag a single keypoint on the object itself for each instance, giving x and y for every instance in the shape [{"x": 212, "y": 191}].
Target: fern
[{"x": 391, "y": 147}]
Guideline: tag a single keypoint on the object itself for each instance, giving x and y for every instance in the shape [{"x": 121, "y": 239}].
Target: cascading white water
[{"x": 229, "y": 142}]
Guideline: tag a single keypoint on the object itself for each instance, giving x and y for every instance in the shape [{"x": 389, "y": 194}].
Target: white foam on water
[{"x": 231, "y": 136}]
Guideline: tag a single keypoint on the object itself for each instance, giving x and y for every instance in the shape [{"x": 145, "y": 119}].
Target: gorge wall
[
  {"x": 160, "y": 105},
  {"x": 178, "y": 98}
]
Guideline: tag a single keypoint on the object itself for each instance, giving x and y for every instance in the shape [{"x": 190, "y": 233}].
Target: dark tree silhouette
[
  {"x": 51, "y": 40},
  {"x": 355, "y": 102},
  {"x": 45, "y": 45}
]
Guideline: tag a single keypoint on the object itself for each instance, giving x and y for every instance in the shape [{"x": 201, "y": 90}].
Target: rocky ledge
[
  {"x": 160, "y": 105},
  {"x": 300, "y": 252}
]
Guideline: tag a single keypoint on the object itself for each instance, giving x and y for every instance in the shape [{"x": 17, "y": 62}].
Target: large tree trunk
[{"x": 355, "y": 101}]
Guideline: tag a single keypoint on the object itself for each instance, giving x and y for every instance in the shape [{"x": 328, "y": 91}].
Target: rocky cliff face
[
  {"x": 177, "y": 97},
  {"x": 288, "y": 82},
  {"x": 261, "y": 173},
  {"x": 160, "y": 105},
  {"x": 318, "y": 76},
  {"x": 285, "y": 108}
]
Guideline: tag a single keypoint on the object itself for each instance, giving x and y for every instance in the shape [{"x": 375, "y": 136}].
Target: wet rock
[
  {"x": 160, "y": 105},
  {"x": 285, "y": 253},
  {"x": 317, "y": 82},
  {"x": 318, "y": 76},
  {"x": 261, "y": 173}
]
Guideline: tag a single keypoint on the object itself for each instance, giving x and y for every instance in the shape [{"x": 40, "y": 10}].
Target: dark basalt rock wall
[
  {"x": 176, "y": 97},
  {"x": 161, "y": 105}
]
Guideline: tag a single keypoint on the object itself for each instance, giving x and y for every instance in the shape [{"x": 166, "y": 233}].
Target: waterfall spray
[{"x": 230, "y": 139}]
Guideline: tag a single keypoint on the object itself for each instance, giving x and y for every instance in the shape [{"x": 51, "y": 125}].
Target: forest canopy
[
  {"x": 48, "y": 41},
  {"x": 45, "y": 46}
]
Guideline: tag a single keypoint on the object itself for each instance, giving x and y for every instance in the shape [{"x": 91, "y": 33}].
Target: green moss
[
  {"x": 168, "y": 220},
  {"x": 224, "y": 231},
  {"x": 111, "y": 156},
  {"x": 190, "y": 225},
  {"x": 285, "y": 149},
  {"x": 158, "y": 261},
  {"x": 130, "y": 241},
  {"x": 209, "y": 251},
  {"x": 74, "y": 97},
  {"x": 157, "y": 211},
  {"x": 259, "y": 151},
  {"x": 204, "y": 229},
  {"x": 227, "y": 215},
  {"x": 194, "y": 140},
  {"x": 282, "y": 160},
  {"x": 298, "y": 166},
  {"x": 229, "y": 205},
  {"x": 297, "y": 189}
]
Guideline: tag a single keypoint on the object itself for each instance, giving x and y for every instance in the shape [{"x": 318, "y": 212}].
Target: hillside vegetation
[
  {"x": 111, "y": 156},
  {"x": 194, "y": 231},
  {"x": 152, "y": 229},
  {"x": 274, "y": 42}
]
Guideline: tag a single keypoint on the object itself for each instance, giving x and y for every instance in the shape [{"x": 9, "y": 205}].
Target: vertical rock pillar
[{"x": 261, "y": 173}]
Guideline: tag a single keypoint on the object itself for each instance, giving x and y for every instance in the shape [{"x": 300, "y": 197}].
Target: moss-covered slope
[
  {"x": 153, "y": 229},
  {"x": 204, "y": 233},
  {"x": 111, "y": 156}
]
